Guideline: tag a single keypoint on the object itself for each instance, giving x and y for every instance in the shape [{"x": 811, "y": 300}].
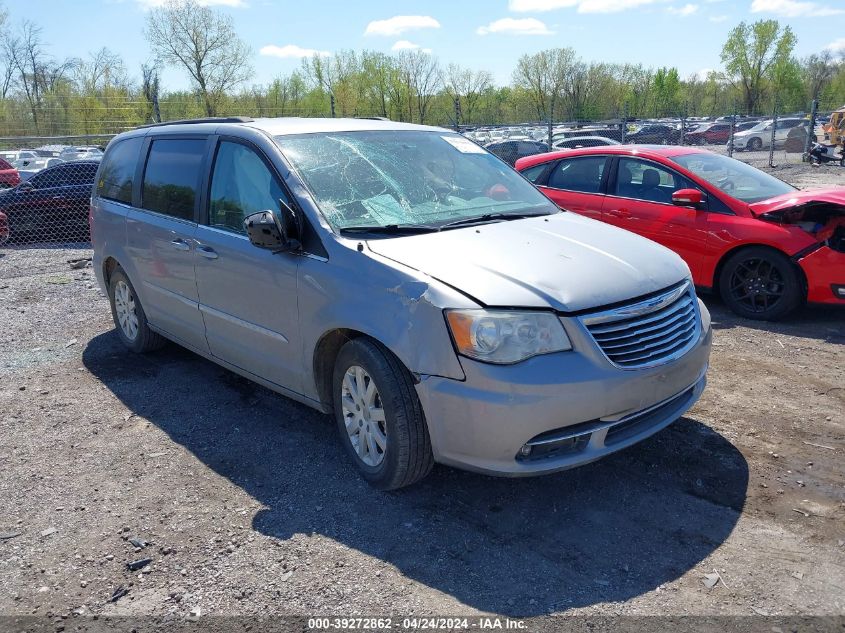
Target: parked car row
[{"x": 51, "y": 205}]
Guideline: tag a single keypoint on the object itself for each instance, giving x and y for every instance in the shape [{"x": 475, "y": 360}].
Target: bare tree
[
  {"x": 421, "y": 72},
  {"x": 150, "y": 84},
  {"x": 204, "y": 42},
  {"x": 468, "y": 86},
  {"x": 5, "y": 57},
  {"x": 544, "y": 76},
  {"x": 819, "y": 70},
  {"x": 103, "y": 69},
  {"x": 28, "y": 61}
]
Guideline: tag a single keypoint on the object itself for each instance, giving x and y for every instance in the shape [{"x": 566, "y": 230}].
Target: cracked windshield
[{"x": 378, "y": 179}]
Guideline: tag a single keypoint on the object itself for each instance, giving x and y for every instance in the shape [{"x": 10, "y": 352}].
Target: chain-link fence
[
  {"x": 45, "y": 190},
  {"x": 816, "y": 135},
  {"x": 46, "y": 182}
]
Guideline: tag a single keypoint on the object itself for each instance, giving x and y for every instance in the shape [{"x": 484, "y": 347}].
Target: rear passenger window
[
  {"x": 118, "y": 170},
  {"x": 172, "y": 177},
  {"x": 578, "y": 174}
]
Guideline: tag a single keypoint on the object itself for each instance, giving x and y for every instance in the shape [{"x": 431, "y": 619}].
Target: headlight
[{"x": 504, "y": 336}]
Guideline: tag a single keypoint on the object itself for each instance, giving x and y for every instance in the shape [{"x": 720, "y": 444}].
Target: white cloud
[
  {"x": 537, "y": 6},
  {"x": 154, "y": 4},
  {"x": 703, "y": 74},
  {"x": 717, "y": 18},
  {"x": 400, "y": 23},
  {"x": 405, "y": 45},
  {"x": 684, "y": 11},
  {"x": 793, "y": 8},
  {"x": 611, "y": 6},
  {"x": 836, "y": 46},
  {"x": 291, "y": 51},
  {"x": 589, "y": 6},
  {"x": 514, "y": 26}
]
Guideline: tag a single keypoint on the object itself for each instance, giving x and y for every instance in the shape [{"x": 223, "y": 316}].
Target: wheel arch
[
  {"x": 110, "y": 264},
  {"x": 325, "y": 354},
  {"x": 717, "y": 272}
]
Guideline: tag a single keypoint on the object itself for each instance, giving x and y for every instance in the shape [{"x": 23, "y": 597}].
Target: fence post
[
  {"x": 624, "y": 122},
  {"x": 772, "y": 140},
  {"x": 331, "y": 103},
  {"x": 731, "y": 138},
  {"x": 683, "y": 125},
  {"x": 810, "y": 131},
  {"x": 458, "y": 114},
  {"x": 550, "y": 130}
]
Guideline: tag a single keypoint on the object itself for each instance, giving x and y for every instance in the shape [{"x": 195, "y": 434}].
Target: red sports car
[
  {"x": 765, "y": 246},
  {"x": 9, "y": 176},
  {"x": 4, "y": 228}
]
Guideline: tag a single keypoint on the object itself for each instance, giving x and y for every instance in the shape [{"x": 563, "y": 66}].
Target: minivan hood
[
  {"x": 564, "y": 261},
  {"x": 833, "y": 195}
]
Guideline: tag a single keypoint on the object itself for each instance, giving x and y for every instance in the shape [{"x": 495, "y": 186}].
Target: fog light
[
  {"x": 525, "y": 451},
  {"x": 839, "y": 291}
]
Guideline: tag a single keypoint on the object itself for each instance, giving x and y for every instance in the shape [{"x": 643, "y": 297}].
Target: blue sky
[{"x": 484, "y": 34}]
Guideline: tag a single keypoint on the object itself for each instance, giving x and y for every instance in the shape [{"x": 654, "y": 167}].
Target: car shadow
[
  {"x": 605, "y": 532},
  {"x": 825, "y": 323}
]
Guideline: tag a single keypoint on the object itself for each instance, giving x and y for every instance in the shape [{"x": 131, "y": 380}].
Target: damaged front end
[{"x": 823, "y": 261}]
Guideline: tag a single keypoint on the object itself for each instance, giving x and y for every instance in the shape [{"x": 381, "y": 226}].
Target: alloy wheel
[
  {"x": 124, "y": 306},
  {"x": 757, "y": 284},
  {"x": 363, "y": 415}
]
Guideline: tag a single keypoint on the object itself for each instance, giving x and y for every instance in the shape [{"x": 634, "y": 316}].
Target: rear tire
[
  {"x": 379, "y": 416},
  {"x": 130, "y": 321},
  {"x": 761, "y": 283}
]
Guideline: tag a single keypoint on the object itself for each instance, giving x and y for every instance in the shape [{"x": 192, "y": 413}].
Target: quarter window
[
  {"x": 533, "y": 173},
  {"x": 241, "y": 185},
  {"x": 172, "y": 176},
  {"x": 578, "y": 174},
  {"x": 118, "y": 170}
]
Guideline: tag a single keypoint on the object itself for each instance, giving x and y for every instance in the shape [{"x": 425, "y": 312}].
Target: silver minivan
[{"x": 403, "y": 279}]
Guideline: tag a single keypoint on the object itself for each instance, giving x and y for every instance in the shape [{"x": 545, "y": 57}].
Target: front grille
[{"x": 649, "y": 331}]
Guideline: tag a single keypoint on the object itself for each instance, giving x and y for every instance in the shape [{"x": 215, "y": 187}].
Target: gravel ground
[{"x": 249, "y": 506}]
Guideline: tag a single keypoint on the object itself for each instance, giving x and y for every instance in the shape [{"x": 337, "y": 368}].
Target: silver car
[{"x": 403, "y": 279}]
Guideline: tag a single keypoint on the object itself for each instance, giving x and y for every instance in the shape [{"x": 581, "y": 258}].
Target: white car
[
  {"x": 81, "y": 153},
  {"x": 760, "y": 136}
]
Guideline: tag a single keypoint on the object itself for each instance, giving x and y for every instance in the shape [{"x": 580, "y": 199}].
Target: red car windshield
[{"x": 735, "y": 178}]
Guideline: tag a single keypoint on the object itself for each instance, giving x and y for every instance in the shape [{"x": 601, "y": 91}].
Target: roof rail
[
  {"x": 226, "y": 119},
  {"x": 373, "y": 118}
]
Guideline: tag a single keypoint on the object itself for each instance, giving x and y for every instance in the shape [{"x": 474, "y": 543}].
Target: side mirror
[
  {"x": 688, "y": 198},
  {"x": 277, "y": 233},
  {"x": 26, "y": 186}
]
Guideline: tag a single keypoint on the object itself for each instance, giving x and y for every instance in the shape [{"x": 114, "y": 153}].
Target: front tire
[
  {"x": 755, "y": 144},
  {"x": 379, "y": 416},
  {"x": 130, "y": 321},
  {"x": 760, "y": 283}
]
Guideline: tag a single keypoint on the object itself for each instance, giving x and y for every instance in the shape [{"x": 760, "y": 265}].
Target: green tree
[{"x": 751, "y": 54}]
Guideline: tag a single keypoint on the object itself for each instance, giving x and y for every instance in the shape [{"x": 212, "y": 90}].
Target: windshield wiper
[
  {"x": 390, "y": 229},
  {"x": 489, "y": 217}
]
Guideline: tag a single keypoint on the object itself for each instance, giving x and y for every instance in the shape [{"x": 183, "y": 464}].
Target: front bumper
[
  {"x": 824, "y": 269},
  {"x": 482, "y": 423}
]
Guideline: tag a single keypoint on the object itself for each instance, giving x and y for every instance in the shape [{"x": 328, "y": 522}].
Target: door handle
[
  {"x": 180, "y": 245},
  {"x": 619, "y": 213},
  {"x": 207, "y": 252}
]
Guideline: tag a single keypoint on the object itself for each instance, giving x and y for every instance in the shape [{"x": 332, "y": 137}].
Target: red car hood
[{"x": 832, "y": 195}]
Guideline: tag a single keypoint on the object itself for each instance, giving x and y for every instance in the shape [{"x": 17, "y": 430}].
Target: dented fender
[{"x": 399, "y": 307}]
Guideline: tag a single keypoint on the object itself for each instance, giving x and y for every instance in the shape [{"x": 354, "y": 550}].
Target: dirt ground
[{"x": 250, "y": 507}]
